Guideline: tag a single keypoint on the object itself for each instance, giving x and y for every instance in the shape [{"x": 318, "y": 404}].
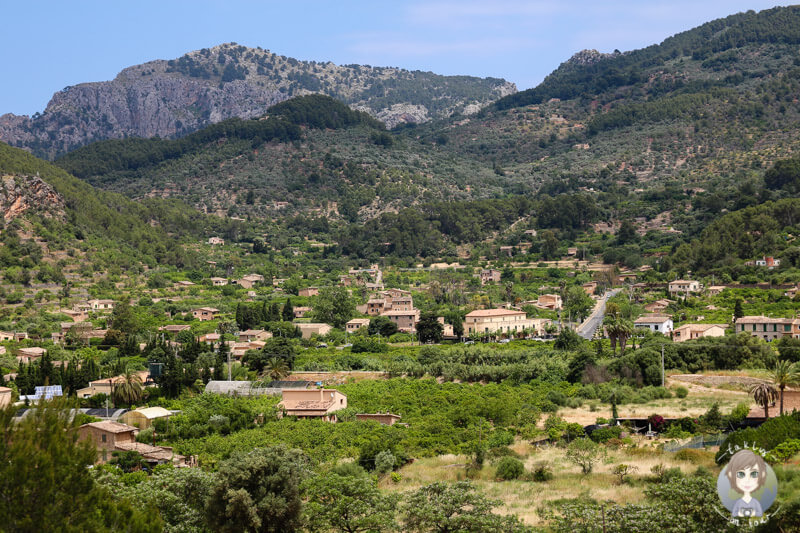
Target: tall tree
[
  {"x": 128, "y": 391},
  {"x": 348, "y": 503},
  {"x": 258, "y": 491},
  {"x": 45, "y": 480},
  {"x": 454, "y": 507},
  {"x": 334, "y": 306},
  {"x": 764, "y": 394},
  {"x": 785, "y": 373},
  {"x": 429, "y": 328},
  {"x": 287, "y": 314}
]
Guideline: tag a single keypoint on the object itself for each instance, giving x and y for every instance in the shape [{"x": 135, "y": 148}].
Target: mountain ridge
[{"x": 170, "y": 98}]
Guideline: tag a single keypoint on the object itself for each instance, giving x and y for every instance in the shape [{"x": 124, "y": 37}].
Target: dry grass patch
[{"x": 523, "y": 498}]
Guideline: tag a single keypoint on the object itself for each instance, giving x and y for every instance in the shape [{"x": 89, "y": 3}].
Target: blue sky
[{"x": 50, "y": 45}]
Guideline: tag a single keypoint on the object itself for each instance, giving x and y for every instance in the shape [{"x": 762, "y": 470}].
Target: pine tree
[{"x": 288, "y": 311}]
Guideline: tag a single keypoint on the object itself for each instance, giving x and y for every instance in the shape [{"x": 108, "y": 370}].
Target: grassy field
[{"x": 524, "y": 498}]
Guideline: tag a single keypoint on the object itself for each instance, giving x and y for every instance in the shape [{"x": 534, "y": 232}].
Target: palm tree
[
  {"x": 620, "y": 330},
  {"x": 764, "y": 394},
  {"x": 276, "y": 368},
  {"x": 129, "y": 390},
  {"x": 785, "y": 373}
]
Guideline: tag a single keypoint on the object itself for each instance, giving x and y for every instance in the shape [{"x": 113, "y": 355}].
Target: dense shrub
[{"x": 510, "y": 468}]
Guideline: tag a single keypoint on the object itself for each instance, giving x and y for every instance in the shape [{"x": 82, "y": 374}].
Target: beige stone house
[
  {"x": 550, "y": 301},
  {"x": 254, "y": 335},
  {"x": 105, "y": 385},
  {"x": 219, "y": 282},
  {"x": 688, "y": 332},
  {"x": 406, "y": 320},
  {"x": 683, "y": 287},
  {"x": 489, "y": 275},
  {"x": 355, "y": 324},
  {"x": 769, "y": 329},
  {"x": 205, "y": 313},
  {"x": 496, "y": 321},
  {"x": 105, "y": 436},
  {"x": 308, "y": 291},
  {"x": 101, "y": 305},
  {"x": 26, "y": 355},
  {"x": 311, "y": 328},
  {"x": 5, "y": 397}
]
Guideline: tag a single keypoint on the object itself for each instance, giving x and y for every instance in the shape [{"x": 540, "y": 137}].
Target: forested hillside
[
  {"x": 111, "y": 225},
  {"x": 311, "y": 152}
]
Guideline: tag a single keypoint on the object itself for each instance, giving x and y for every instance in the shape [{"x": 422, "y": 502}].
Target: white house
[{"x": 658, "y": 323}]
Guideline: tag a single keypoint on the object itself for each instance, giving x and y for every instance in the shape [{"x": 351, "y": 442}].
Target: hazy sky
[{"x": 48, "y": 45}]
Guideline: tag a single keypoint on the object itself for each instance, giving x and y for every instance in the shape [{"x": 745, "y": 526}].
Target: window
[{"x": 102, "y": 438}]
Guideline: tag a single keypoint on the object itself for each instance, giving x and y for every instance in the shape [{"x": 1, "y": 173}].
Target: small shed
[
  {"x": 143, "y": 418},
  {"x": 387, "y": 419}
]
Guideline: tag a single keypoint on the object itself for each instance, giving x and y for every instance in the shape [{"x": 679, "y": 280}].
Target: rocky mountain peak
[{"x": 170, "y": 98}]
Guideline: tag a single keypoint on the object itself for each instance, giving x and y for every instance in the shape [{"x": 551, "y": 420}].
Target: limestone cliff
[
  {"x": 172, "y": 98},
  {"x": 23, "y": 194}
]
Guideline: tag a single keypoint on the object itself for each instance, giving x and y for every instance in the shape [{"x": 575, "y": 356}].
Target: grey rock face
[{"x": 173, "y": 98}]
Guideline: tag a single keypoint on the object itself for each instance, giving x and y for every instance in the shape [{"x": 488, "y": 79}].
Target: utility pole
[
  {"x": 662, "y": 365},
  {"x": 229, "y": 365}
]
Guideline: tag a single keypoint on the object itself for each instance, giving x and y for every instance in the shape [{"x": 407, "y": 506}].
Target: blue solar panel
[{"x": 47, "y": 393}]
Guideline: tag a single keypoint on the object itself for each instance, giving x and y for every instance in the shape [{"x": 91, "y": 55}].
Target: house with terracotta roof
[
  {"x": 105, "y": 436},
  {"x": 205, "y": 313},
  {"x": 175, "y": 328},
  {"x": 219, "y": 282},
  {"x": 249, "y": 281},
  {"x": 310, "y": 403},
  {"x": 302, "y": 311},
  {"x": 355, "y": 324},
  {"x": 26, "y": 355},
  {"x": 488, "y": 275},
  {"x": 688, "y": 332},
  {"x": 549, "y": 301},
  {"x": 767, "y": 328},
  {"x": 254, "y": 335},
  {"x": 658, "y": 306},
  {"x": 313, "y": 328},
  {"x": 105, "y": 385},
  {"x": 406, "y": 321},
  {"x": 496, "y": 321},
  {"x": 5, "y": 397},
  {"x": 308, "y": 291}
]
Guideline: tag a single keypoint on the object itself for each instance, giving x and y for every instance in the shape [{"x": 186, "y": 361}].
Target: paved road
[{"x": 588, "y": 327}]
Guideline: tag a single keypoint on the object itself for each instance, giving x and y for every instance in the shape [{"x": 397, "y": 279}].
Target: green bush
[
  {"x": 605, "y": 434},
  {"x": 542, "y": 472},
  {"x": 784, "y": 451},
  {"x": 510, "y": 468},
  {"x": 681, "y": 392},
  {"x": 368, "y": 345}
]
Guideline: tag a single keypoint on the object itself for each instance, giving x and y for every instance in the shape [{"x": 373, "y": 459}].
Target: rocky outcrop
[
  {"x": 588, "y": 57},
  {"x": 172, "y": 98},
  {"x": 21, "y": 194}
]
